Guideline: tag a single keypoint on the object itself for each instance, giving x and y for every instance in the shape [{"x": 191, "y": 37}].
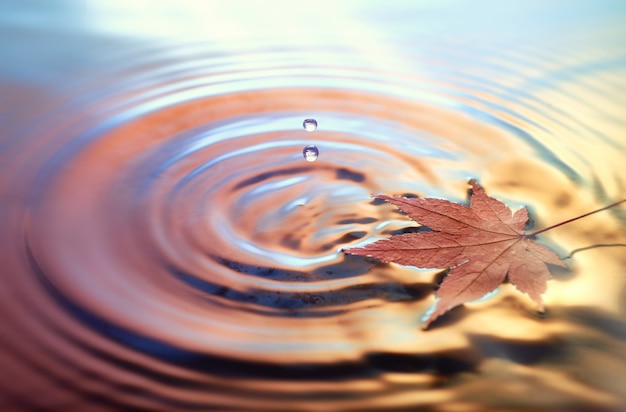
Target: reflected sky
[{"x": 41, "y": 37}]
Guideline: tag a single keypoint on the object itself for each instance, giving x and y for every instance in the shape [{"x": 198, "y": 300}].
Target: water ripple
[{"x": 166, "y": 246}]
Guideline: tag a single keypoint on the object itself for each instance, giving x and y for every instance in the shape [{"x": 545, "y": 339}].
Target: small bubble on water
[
  {"x": 309, "y": 125},
  {"x": 310, "y": 153}
]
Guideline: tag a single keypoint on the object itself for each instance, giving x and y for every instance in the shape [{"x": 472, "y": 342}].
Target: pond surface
[{"x": 168, "y": 243}]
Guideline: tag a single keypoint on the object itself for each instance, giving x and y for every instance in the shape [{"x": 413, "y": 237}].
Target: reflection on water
[{"x": 165, "y": 246}]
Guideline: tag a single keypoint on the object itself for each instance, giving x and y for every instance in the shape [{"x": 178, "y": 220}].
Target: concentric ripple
[{"x": 167, "y": 247}]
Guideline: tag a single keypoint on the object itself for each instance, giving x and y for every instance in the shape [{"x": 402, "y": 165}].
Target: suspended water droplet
[
  {"x": 309, "y": 125},
  {"x": 310, "y": 153}
]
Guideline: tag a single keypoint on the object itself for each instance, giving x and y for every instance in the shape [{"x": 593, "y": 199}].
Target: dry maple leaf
[{"x": 481, "y": 244}]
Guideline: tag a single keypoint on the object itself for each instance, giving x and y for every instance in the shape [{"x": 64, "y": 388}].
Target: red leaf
[{"x": 481, "y": 244}]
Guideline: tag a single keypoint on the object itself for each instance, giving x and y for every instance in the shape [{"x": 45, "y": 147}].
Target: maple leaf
[{"x": 481, "y": 244}]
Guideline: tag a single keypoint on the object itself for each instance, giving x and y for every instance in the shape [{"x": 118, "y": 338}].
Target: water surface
[{"x": 165, "y": 245}]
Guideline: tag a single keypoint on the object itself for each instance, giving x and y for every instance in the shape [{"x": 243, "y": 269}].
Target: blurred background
[{"x": 165, "y": 245}]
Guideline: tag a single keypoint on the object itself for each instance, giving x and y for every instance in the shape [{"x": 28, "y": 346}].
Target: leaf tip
[
  {"x": 433, "y": 317},
  {"x": 356, "y": 251},
  {"x": 475, "y": 186},
  {"x": 347, "y": 251},
  {"x": 382, "y": 196}
]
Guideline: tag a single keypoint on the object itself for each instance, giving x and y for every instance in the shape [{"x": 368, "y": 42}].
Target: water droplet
[
  {"x": 309, "y": 125},
  {"x": 310, "y": 153}
]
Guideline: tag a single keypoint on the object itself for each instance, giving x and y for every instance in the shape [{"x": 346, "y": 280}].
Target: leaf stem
[
  {"x": 580, "y": 249},
  {"x": 574, "y": 218}
]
